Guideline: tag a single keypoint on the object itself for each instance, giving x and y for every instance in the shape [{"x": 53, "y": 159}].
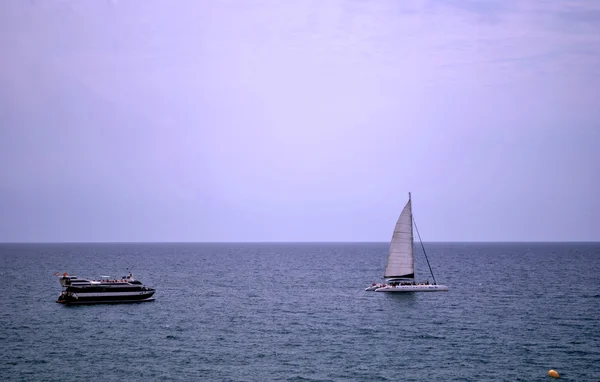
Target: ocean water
[{"x": 299, "y": 312}]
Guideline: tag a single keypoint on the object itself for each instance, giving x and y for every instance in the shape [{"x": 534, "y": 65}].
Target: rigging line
[{"x": 422, "y": 246}]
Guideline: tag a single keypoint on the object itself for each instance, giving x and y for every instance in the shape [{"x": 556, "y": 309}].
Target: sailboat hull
[
  {"x": 412, "y": 288},
  {"x": 373, "y": 288}
]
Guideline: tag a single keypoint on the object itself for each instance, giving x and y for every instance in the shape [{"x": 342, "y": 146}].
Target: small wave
[
  {"x": 577, "y": 342},
  {"x": 301, "y": 378},
  {"x": 580, "y": 353},
  {"x": 431, "y": 337},
  {"x": 35, "y": 361}
]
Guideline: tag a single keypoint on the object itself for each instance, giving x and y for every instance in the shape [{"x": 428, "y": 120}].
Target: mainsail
[{"x": 401, "y": 263}]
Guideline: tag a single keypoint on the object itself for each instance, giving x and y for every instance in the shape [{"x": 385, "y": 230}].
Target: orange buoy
[{"x": 553, "y": 373}]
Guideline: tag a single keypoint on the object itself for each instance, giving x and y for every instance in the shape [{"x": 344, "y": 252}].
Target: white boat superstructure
[{"x": 400, "y": 268}]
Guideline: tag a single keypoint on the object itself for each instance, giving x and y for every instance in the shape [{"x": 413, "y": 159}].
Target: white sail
[{"x": 401, "y": 263}]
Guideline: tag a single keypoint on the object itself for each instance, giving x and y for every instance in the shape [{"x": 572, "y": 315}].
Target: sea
[{"x": 299, "y": 312}]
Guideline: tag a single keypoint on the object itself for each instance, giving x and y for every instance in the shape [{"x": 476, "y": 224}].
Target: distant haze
[{"x": 268, "y": 120}]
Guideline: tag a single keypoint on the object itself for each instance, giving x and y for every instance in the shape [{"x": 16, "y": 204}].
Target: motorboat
[{"x": 106, "y": 290}]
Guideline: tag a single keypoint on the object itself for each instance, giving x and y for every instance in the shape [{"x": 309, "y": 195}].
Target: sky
[{"x": 311, "y": 120}]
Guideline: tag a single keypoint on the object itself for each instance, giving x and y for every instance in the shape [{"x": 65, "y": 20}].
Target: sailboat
[{"x": 400, "y": 270}]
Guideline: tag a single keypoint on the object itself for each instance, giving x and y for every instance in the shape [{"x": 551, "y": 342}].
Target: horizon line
[{"x": 295, "y": 242}]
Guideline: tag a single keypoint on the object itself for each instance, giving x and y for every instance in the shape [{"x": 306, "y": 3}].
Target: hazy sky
[{"x": 306, "y": 120}]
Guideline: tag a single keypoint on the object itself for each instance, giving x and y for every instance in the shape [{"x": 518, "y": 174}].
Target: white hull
[
  {"x": 412, "y": 288},
  {"x": 373, "y": 288}
]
